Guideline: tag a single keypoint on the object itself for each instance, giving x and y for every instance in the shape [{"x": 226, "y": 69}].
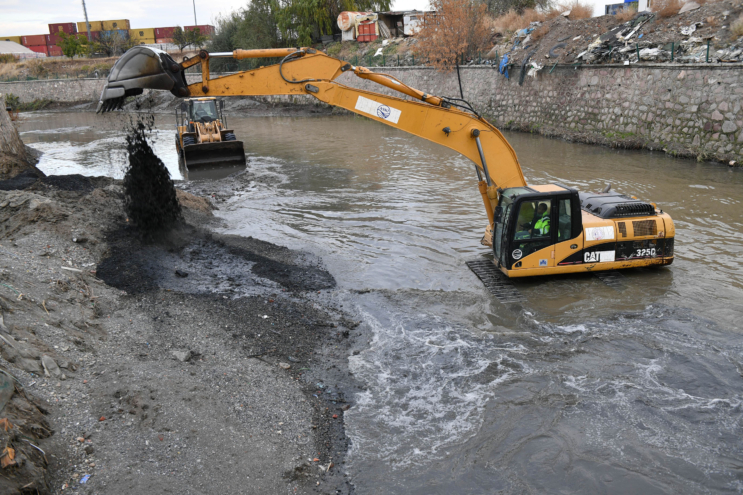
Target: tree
[
  {"x": 252, "y": 27},
  {"x": 192, "y": 37},
  {"x": 114, "y": 42},
  {"x": 180, "y": 38},
  {"x": 197, "y": 39},
  {"x": 500, "y": 7},
  {"x": 306, "y": 20},
  {"x": 258, "y": 26},
  {"x": 457, "y": 28},
  {"x": 72, "y": 44}
]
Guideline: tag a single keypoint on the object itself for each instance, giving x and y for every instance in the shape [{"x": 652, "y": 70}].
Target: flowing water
[{"x": 590, "y": 389}]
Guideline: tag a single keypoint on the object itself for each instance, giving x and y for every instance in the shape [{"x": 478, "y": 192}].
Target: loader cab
[
  {"x": 202, "y": 110},
  {"x": 534, "y": 219}
]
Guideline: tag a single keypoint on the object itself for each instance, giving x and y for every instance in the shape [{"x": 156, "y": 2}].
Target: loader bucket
[
  {"x": 138, "y": 69},
  {"x": 213, "y": 155}
]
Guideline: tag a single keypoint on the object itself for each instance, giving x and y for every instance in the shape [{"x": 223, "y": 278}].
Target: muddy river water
[{"x": 589, "y": 389}]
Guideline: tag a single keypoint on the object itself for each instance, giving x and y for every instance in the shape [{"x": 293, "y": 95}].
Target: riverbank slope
[{"x": 186, "y": 363}]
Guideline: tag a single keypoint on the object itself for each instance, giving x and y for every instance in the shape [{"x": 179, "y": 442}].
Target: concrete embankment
[{"x": 687, "y": 110}]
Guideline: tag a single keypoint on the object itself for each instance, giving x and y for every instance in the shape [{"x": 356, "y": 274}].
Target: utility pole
[
  {"x": 194, "y": 13},
  {"x": 87, "y": 23}
]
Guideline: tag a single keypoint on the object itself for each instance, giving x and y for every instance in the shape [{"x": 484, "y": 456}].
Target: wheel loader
[
  {"x": 202, "y": 138},
  {"x": 532, "y": 229}
]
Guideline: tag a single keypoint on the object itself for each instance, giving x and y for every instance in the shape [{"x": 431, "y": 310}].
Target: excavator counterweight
[{"x": 532, "y": 229}]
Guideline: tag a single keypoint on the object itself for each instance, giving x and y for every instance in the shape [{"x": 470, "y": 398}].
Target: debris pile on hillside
[{"x": 697, "y": 34}]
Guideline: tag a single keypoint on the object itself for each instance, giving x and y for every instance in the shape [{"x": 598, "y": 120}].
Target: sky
[{"x": 24, "y": 17}]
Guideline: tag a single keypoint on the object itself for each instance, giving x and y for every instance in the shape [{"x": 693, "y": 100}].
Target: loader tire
[{"x": 230, "y": 136}]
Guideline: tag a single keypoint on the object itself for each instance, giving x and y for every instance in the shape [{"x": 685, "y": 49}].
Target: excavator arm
[{"x": 305, "y": 71}]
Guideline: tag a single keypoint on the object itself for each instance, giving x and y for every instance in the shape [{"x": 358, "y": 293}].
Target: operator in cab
[
  {"x": 204, "y": 111},
  {"x": 540, "y": 226}
]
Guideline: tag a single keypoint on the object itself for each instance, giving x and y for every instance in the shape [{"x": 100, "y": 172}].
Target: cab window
[
  {"x": 533, "y": 229},
  {"x": 565, "y": 221},
  {"x": 204, "y": 110},
  {"x": 533, "y": 220}
]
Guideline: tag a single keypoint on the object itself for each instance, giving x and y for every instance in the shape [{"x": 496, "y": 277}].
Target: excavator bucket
[
  {"x": 212, "y": 155},
  {"x": 138, "y": 69}
]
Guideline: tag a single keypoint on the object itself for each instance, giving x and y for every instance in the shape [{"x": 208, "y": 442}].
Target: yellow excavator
[
  {"x": 202, "y": 137},
  {"x": 532, "y": 229}
]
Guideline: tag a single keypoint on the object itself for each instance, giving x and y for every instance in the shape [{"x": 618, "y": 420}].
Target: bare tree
[
  {"x": 456, "y": 29},
  {"x": 114, "y": 42}
]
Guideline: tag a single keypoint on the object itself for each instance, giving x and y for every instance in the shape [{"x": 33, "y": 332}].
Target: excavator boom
[
  {"x": 305, "y": 71},
  {"x": 533, "y": 230}
]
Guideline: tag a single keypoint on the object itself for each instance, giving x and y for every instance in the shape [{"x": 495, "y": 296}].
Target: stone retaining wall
[
  {"x": 687, "y": 110},
  {"x": 58, "y": 90}
]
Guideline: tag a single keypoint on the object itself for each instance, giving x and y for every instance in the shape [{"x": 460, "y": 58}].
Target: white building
[{"x": 18, "y": 51}]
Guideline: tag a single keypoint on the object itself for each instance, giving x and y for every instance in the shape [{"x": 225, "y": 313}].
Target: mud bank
[{"x": 188, "y": 363}]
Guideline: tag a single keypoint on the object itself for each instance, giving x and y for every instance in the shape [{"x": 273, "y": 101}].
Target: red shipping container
[
  {"x": 203, "y": 29},
  {"x": 367, "y": 32},
  {"x": 94, "y": 35},
  {"x": 52, "y": 39},
  {"x": 34, "y": 40},
  {"x": 163, "y": 41},
  {"x": 39, "y": 49},
  {"x": 55, "y": 51},
  {"x": 166, "y": 32},
  {"x": 65, "y": 27}
]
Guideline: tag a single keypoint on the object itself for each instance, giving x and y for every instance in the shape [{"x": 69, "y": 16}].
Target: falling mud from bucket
[{"x": 149, "y": 195}]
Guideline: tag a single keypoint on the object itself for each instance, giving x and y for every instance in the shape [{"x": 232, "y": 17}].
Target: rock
[
  {"x": 192, "y": 202},
  {"x": 30, "y": 365},
  {"x": 35, "y": 203},
  {"x": 15, "y": 157},
  {"x": 728, "y": 127},
  {"x": 89, "y": 449},
  {"x": 688, "y": 6},
  {"x": 68, "y": 365},
  {"x": 50, "y": 367},
  {"x": 285, "y": 366},
  {"x": 716, "y": 115},
  {"x": 182, "y": 356}
]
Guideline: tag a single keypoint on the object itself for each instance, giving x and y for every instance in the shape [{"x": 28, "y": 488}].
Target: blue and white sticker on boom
[{"x": 378, "y": 109}]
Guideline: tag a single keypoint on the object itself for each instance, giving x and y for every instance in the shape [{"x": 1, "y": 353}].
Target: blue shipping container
[{"x": 124, "y": 33}]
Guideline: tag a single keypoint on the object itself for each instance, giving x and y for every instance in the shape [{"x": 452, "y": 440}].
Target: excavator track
[{"x": 495, "y": 281}]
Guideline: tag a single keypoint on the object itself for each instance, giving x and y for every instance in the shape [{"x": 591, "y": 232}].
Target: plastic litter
[
  {"x": 503, "y": 67},
  {"x": 84, "y": 479},
  {"x": 535, "y": 67}
]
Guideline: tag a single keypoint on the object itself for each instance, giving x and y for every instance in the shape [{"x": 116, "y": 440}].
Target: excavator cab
[
  {"x": 202, "y": 138},
  {"x": 536, "y": 225}
]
